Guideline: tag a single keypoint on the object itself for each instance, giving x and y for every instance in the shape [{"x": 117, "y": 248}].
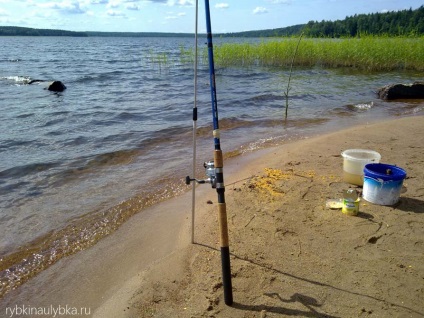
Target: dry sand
[{"x": 290, "y": 255}]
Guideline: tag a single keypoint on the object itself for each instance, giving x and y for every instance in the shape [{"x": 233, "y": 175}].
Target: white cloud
[
  {"x": 179, "y": 3},
  {"x": 183, "y": 3},
  {"x": 113, "y": 4},
  {"x": 72, "y": 7},
  {"x": 157, "y": 1},
  {"x": 174, "y": 16},
  {"x": 3, "y": 13},
  {"x": 279, "y": 1},
  {"x": 170, "y": 3},
  {"x": 260, "y": 10},
  {"x": 132, "y": 6},
  {"x": 222, "y": 5},
  {"x": 115, "y": 13}
]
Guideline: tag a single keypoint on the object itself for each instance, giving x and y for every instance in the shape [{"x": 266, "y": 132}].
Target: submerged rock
[
  {"x": 56, "y": 86},
  {"x": 402, "y": 91}
]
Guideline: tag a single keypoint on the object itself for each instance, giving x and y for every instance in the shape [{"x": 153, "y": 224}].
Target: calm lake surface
[{"x": 75, "y": 165}]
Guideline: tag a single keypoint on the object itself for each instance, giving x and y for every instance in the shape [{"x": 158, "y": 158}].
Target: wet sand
[{"x": 290, "y": 254}]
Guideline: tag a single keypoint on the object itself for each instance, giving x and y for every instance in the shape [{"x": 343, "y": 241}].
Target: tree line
[
  {"x": 397, "y": 23},
  {"x": 20, "y": 31},
  {"x": 287, "y": 31}
]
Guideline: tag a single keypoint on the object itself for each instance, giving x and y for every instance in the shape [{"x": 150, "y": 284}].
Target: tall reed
[
  {"x": 365, "y": 53},
  {"x": 286, "y": 93}
]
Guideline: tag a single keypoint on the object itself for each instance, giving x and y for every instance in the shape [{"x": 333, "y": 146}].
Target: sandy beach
[{"x": 290, "y": 254}]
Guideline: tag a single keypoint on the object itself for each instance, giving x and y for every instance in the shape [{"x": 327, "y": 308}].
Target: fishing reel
[{"x": 210, "y": 174}]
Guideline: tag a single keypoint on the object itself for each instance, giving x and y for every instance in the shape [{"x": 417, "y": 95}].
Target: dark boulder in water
[
  {"x": 402, "y": 91},
  {"x": 56, "y": 86}
]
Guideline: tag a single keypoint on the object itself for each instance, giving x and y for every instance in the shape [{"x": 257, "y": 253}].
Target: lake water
[{"x": 77, "y": 164}]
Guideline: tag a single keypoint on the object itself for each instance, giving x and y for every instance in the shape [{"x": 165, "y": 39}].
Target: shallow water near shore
[{"x": 75, "y": 165}]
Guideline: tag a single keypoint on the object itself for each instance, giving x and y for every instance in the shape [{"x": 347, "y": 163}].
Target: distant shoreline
[
  {"x": 404, "y": 23},
  {"x": 20, "y": 31}
]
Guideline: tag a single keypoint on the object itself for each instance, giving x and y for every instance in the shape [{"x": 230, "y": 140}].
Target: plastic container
[
  {"x": 350, "y": 202},
  {"x": 382, "y": 183},
  {"x": 354, "y": 161}
]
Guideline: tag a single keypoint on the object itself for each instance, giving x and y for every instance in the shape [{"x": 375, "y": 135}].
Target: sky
[{"x": 179, "y": 15}]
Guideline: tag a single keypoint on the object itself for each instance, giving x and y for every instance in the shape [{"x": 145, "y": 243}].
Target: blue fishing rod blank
[{"x": 219, "y": 173}]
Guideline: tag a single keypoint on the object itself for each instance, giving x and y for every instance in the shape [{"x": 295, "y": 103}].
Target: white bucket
[{"x": 354, "y": 161}]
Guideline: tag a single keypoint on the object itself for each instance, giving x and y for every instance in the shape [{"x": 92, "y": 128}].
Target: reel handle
[
  {"x": 211, "y": 180},
  {"x": 188, "y": 180}
]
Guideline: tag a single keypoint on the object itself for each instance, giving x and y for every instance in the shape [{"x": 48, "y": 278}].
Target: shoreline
[
  {"x": 85, "y": 231},
  {"x": 125, "y": 262}
]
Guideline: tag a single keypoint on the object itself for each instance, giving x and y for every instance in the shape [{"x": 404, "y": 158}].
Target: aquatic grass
[
  {"x": 286, "y": 93},
  {"x": 365, "y": 53},
  {"x": 186, "y": 55},
  {"x": 229, "y": 54},
  {"x": 159, "y": 59}
]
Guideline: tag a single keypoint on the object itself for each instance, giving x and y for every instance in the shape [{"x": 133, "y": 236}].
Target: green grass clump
[{"x": 367, "y": 53}]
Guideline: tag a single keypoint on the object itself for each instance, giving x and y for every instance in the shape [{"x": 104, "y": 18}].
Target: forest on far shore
[
  {"x": 401, "y": 23},
  {"x": 396, "y": 23}
]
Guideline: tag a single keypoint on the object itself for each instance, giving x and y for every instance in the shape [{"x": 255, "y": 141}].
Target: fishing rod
[
  {"x": 193, "y": 195},
  {"x": 215, "y": 173}
]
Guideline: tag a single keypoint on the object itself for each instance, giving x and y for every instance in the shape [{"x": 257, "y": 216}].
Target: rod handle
[{"x": 225, "y": 254}]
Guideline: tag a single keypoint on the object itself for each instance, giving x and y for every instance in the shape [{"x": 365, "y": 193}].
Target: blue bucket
[{"x": 382, "y": 183}]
